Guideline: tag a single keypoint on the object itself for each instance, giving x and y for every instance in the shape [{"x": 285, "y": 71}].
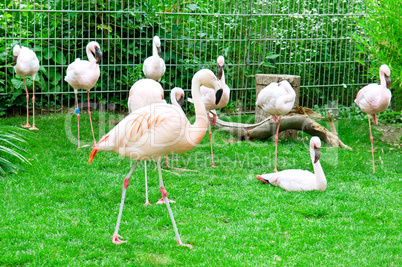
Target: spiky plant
[{"x": 10, "y": 151}]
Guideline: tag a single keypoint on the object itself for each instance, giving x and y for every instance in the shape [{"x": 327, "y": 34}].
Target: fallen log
[{"x": 297, "y": 119}]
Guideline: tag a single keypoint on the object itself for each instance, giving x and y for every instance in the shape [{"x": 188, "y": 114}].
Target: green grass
[{"x": 60, "y": 211}]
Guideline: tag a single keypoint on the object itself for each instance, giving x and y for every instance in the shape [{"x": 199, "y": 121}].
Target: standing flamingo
[
  {"x": 27, "y": 64},
  {"x": 154, "y": 66},
  {"x": 374, "y": 98},
  {"x": 157, "y": 130},
  {"x": 300, "y": 180},
  {"x": 83, "y": 74},
  {"x": 277, "y": 99},
  {"x": 209, "y": 99}
]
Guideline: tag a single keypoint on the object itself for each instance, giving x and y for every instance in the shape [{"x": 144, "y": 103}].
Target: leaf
[
  {"x": 60, "y": 59},
  {"x": 18, "y": 84}
]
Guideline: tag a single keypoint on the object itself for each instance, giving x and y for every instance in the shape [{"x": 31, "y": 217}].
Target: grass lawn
[{"x": 60, "y": 211}]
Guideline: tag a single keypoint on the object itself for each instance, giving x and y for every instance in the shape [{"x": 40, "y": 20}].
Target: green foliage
[
  {"x": 254, "y": 37},
  {"x": 380, "y": 38},
  {"x": 10, "y": 149}
]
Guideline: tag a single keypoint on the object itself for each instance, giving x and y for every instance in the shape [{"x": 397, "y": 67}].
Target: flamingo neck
[
  {"x": 290, "y": 95},
  {"x": 201, "y": 120},
  {"x": 222, "y": 80},
  {"x": 154, "y": 51},
  {"x": 318, "y": 172},
  {"x": 173, "y": 99},
  {"x": 90, "y": 56}
]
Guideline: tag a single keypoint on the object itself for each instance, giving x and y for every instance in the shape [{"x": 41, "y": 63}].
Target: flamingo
[
  {"x": 26, "y": 64},
  {"x": 83, "y": 74},
  {"x": 277, "y": 99},
  {"x": 154, "y": 66},
  {"x": 300, "y": 180},
  {"x": 374, "y": 98},
  {"x": 157, "y": 130},
  {"x": 209, "y": 99},
  {"x": 143, "y": 93}
]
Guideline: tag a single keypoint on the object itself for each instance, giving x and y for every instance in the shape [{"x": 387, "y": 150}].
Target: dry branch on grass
[{"x": 299, "y": 118}]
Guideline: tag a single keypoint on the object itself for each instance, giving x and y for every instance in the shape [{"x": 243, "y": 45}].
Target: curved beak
[
  {"x": 98, "y": 54},
  {"x": 159, "y": 52},
  {"x": 317, "y": 154},
  {"x": 91, "y": 157},
  {"x": 387, "y": 80},
  {"x": 181, "y": 101},
  {"x": 220, "y": 72},
  {"x": 218, "y": 96}
]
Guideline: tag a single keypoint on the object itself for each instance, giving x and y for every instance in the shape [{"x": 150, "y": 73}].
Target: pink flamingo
[
  {"x": 277, "y": 99},
  {"x": 83, "y": 74},
  {"x": 154, "y": 66},
  {"x": 143, "y": 93},
  {"x": 26, "y": 64},
  {"x": 157, "y": 130},
  {"x": 300, "y": 180},
  {"x": 374, "y": 98},
  {"x": 209, "y": 99}
]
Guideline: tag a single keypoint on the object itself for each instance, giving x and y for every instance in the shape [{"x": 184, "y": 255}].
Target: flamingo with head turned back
[
  {"x": 374, "y": 98},
  {"x": 277, "y": 99},
  {"x": 26, "y": 64},
  {"x": 300, "y": 180},
  {"x": 157, "y": 130},
  {"x": 83, "y": 74},
  {"x": 209, "y": 97},
  {"x": 154, "y": 66}
]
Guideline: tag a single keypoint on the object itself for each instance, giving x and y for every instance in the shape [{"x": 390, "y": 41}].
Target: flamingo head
[
  {"x": 94, "y": 47},
  {"x": 315, "y": 145},
  {"x": 384, "y": 70},
  {"x": 207, "y": 78},
  {"x": 16, "y": 52},
  {"x": 157, "y": 44},
  {"x": 179, "y": 95},
  {"x": 221, "y": 62}
]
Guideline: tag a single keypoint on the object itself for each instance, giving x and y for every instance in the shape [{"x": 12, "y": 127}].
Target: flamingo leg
[
  {"x": 165, "y": 198},
  {"x": 276, "y": 142},
  {"x": 371, "y": 139},
  {"x": 210, "y": 141},
  {"x": 77, "y": 111},
  {"x": 115, "y": 238},
  {"x": 146, "y": 186},
  {"x": 90, "y": 120},
  {"x": 26, "y": 90},
  {"x": 33, "y": 105},
  {"x": 180, "y": 169}
]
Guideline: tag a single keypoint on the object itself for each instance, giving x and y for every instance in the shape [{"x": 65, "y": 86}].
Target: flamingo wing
[{"x": 292, "y": 180}]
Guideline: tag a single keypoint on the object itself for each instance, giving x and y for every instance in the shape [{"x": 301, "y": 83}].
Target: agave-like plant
[{"x": 10, "y": 138}]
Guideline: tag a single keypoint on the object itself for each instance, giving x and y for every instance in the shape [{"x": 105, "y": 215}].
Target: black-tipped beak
[
  {"x": 317, "y": 154},
  {"x": 387, "y": 80},
  {"x": 98, "y": 54},
  {"x": 159, "y": 52},
  {"x": 218, "y": 96},
  {"x": 14, "y": 60},
  {"x": 220, "y": 72},
  {"x": 181, "y": 101}
]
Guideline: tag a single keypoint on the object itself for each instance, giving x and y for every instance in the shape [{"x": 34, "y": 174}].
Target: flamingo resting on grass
[
  {"x": 155, "y": 131},
  {"x": 277, "y": 99},
  {"x": 300, "y": 180},
  {"x": 374, "y": 98},
  {"x": 209, "y": 99},
  {"x": 27, "y": 64},
  {"x": 83, "y": 74},
  {"x": 154, "y": 66}
]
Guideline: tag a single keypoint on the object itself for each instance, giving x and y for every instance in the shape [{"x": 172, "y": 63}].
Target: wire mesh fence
[{"x": 307, "y": 38}]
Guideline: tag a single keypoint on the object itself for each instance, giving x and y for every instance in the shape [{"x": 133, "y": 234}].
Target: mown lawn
[{"x": 60, "y": 211}]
